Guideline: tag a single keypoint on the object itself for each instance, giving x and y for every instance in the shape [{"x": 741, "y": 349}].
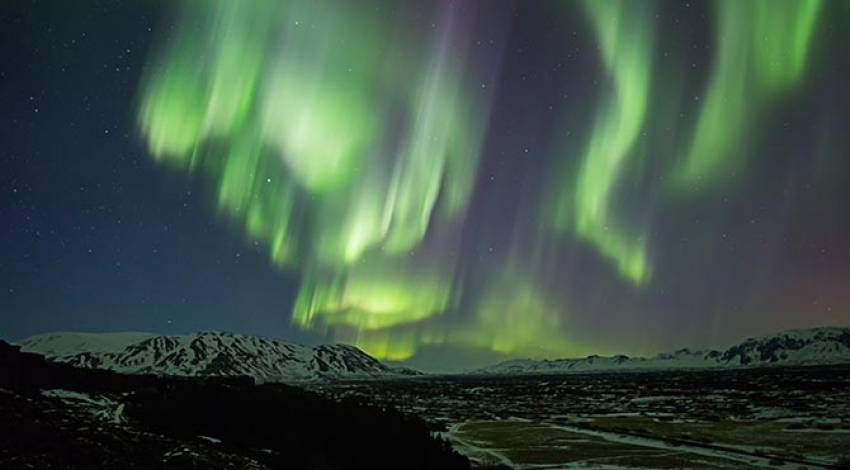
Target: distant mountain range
[
  {"x": 816, "y": 346},
  {"x": 210, "y": 354},
  {"x": 271, "y": 360}
]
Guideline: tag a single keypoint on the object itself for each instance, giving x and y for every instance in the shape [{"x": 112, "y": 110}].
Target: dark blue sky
[{"x": 97, "y": 236}]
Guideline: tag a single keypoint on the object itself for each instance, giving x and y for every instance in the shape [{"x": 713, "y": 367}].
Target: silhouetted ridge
[{"x": 55, "y": 415}]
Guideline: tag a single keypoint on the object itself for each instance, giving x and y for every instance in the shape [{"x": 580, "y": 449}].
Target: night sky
[{"x": 449, "y": 183}]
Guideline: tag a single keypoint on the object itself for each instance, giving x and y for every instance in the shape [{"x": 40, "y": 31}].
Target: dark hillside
[{"x": 178, "y": 422}]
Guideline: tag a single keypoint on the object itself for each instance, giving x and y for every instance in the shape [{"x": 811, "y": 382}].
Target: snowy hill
[
  {"x": 816, "y": 346},
  {"x": 208, "y": 353}
]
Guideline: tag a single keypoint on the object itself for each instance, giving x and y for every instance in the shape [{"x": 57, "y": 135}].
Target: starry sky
[{"x": 446, "y": 183}]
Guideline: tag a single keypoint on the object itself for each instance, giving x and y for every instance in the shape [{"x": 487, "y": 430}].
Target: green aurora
[
  {"x": 761, "y": 51},
  {"x": 353, "y": 148}
]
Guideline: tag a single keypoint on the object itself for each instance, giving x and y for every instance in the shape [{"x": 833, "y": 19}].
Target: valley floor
[
  {"x": 626, "y": 443},
  {"x": 788, "y": 418}
]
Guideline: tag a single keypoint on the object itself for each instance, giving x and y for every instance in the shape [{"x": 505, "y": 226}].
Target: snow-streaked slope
[
  {"x": 208, "y": 353},
  {"x": 794, "y": 347}
]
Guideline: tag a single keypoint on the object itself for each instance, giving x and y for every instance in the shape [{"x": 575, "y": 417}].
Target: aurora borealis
[
  {"x": 336, "y": 149},
  {"x": 455, "y": 182}
]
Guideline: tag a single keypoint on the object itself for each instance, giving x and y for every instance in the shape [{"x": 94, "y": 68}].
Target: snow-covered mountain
[
  {"x": 271, "y": 360},
  {"x": 209, "y": 353},
  {"x": 816, "y": 346}
]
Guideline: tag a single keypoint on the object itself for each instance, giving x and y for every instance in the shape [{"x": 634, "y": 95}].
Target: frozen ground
[
  {"x": 664, "y": 419},
  {"x": 102, "y": 408}
]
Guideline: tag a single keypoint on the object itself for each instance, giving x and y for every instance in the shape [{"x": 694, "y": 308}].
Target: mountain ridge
[
  {"x": 209, "y": 353},
  {"x": 798, "y": 347}
]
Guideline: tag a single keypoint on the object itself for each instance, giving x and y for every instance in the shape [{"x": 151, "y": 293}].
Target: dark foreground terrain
[
  {"x": 57, "y": 416},
  {"x": 780, "y": 417}
]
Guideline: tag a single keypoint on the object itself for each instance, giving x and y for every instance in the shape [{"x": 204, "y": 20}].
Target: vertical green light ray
[
  {"x": 762, "y": 47},
  {"x": 433, "y": 144},
  {"x": 782, "y": 35},
  {"x": 337, "y": 147},
  {"x": 350, "y": 147},
  {"x": 625, "y": 41}
]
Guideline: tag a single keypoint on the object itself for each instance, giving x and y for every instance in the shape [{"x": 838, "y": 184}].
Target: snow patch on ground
[
  {"x": 483, "y": 455},
  {"x": 476, "y": 451},
  {"x": 100, "y": 407}
]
